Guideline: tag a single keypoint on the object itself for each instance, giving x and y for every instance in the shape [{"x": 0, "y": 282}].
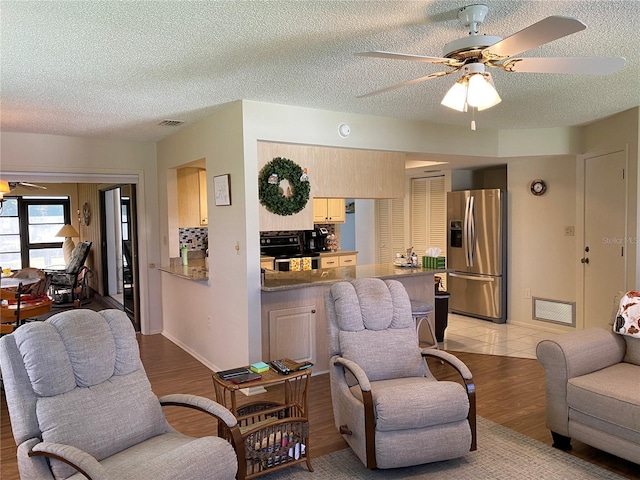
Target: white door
[{"x": 605, "y": 236}]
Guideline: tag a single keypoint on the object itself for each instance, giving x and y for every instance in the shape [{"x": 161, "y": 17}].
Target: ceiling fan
[
  {"x": 7, "y": 187},
  {"x": 472, "y": 55},
  {"x": 32, "y": 186}
]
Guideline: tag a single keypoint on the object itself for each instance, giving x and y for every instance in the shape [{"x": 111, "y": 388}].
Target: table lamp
[{"x": 67, "y": 247}]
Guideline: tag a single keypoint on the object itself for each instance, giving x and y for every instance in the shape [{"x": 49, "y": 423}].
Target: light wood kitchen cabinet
[
  {"x": 348, "y": 260},
  {"x": 266, "y": 263},
  {"x": 333, "y": 261},
  {"x": 292, "y": 333},
  {"x": 329, "y": 262},
  {"x": 204, "y": 209},
  {"x": 328, "y": 210},
  {"x": 192, "y": 197}
]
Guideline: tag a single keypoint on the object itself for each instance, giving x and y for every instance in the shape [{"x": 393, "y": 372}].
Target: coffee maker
[{"x": 314, "y": 240}]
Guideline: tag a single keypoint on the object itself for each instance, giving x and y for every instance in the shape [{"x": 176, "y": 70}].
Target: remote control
[{"x": 280, "y": 367}]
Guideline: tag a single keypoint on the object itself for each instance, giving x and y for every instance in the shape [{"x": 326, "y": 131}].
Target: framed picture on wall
[{"x": 222, "y": 189}]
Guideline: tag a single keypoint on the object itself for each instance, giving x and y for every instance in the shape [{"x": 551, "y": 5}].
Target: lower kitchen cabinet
[
  {"x": 346, "y": 260},
  {"x": 292, "y": 333}
]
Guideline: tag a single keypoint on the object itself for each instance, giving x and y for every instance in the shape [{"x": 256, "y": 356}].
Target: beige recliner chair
[
  {"x": 81, "y": 406},
  {"x": 388, "y": 406}
]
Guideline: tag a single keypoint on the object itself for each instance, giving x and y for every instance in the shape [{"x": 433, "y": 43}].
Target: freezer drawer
[{"x": 477, "y": 295}]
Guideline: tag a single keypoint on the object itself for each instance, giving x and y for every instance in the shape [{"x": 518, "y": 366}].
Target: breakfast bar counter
[
  {"x": 274, "y": 281},
  {"x": 293, "y": 319}
]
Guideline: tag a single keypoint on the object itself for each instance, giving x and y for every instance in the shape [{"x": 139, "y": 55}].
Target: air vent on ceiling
[{"x": 170, "y": 123}]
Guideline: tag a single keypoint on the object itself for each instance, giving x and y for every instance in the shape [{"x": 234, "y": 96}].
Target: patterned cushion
[
  {"x": 627, "y": 315},
  {"x": 628, "y": 318},
  {"x": 78, "y": 257}
]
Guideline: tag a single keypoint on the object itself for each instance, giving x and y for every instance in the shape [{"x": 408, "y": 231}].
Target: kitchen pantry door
[{"x": 605, "y": 191}]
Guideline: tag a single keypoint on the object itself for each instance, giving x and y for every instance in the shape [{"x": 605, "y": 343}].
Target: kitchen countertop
[
  {"x": 196, "y": 270},
  {"x": 276, "y": 281},
  {"x": 338, "y": 252}
]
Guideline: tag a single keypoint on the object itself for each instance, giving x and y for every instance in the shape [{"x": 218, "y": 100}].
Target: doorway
[
  {"x": 119, "y": 248},
  {"x": 604, "y": 250}
]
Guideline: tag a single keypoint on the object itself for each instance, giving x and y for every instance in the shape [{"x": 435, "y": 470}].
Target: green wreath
[{"x": 269, "y": 187}]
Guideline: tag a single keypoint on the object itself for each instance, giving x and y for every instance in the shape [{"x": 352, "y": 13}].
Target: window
[
  {"x": 10, "y": 235},
  {"x": 29, "y": 226}
]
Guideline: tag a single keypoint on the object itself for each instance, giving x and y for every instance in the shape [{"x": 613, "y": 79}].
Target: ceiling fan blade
[
  {"x": 407, "y": 83},
  {"x": 32, "y": 185},
  {"x": 580, "y": 65},
  {"x": 411, "y": 58},
  {"x": 544, "y": 31}
]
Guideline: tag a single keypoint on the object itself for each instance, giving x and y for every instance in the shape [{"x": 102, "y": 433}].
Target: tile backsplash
[{"x": 194, "y": 238}]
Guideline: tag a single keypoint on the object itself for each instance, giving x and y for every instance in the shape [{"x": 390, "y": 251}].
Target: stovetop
[{"x": 283, "y": 245}]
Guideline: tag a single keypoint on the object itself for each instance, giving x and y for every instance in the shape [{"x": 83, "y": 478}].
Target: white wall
[
  {"x": 56, "y": 156},
  {"x": 622, "y": 131},
  {"x": 540, "y": 257},
  {"x": 225, "y": 303}
]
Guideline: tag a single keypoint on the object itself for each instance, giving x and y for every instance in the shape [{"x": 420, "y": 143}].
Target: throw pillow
[{"x": 628, "y": 318}]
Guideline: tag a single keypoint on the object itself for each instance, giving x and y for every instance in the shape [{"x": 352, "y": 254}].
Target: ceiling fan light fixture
[
  {"x": 456, "y": 97},
  {"x": 481, "y": 92},
  {"x": 4, "y": 187}
]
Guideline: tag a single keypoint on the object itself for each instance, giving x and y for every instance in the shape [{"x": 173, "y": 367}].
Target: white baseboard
[{"x": 214, "y": 368}]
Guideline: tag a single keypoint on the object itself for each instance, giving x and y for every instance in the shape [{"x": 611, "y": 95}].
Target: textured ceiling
[{"x": 116, "y": 69}]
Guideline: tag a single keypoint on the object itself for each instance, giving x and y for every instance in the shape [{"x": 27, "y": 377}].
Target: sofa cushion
[
  {"x": 385, "y": 354},
  {"x": 376, "y": 329},
  {"x": 171, "y": 456},
  {"x": 611, "y": 394},
  {"x": 632, "y": 355},
  {"x": 410, "y": 403}
]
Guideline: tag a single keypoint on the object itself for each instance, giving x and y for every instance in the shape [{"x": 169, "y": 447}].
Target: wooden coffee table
[{"x": 275, "y": 434}]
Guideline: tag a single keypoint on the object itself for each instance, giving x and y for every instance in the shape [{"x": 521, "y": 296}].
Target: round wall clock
[
  {"x": 538, "y": 187},
  {"x": 86, "y": 213}
]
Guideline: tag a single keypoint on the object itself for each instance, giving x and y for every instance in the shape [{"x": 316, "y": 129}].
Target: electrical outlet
[
  {"x": 527, "y": 293},
  {"x": 569, "y": 231},
  {"x": 209, "y": 322}
]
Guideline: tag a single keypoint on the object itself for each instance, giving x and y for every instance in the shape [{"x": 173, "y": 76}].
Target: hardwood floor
[{"x": 510, "y": 391}]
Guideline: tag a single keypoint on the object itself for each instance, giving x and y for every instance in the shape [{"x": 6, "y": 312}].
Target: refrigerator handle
[
  {"x": 472, "y": 236},
  {"x": 465, "y": 232}
]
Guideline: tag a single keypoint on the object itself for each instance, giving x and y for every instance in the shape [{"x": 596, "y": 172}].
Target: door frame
[
  {"x": 135, "y": 315},
  {"x": 581, "y": 220}
]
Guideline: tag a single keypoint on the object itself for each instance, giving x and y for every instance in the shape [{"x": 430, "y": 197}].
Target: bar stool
[{"x": 420, "y": 312}]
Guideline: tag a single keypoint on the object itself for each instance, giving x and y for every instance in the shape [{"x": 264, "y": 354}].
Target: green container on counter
[{"x": 433, "y": 262}]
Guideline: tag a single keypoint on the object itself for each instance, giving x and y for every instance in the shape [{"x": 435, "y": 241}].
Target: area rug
[{"x": 502, "y": 454}]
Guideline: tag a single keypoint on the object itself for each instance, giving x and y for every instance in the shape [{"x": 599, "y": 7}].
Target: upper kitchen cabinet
[
  {"x": 202, "y": 181},
  {"x": 192, "y": 197},
  {"x": 328, "y": 210}
]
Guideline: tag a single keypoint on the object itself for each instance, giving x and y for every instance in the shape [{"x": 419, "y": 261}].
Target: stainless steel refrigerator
[{"x": 476, "y": 252}]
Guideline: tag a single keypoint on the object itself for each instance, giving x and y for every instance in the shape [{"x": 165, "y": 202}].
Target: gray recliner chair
[
  {"x": 81, "y": 406},
  {"x": 388, "y": 406}
]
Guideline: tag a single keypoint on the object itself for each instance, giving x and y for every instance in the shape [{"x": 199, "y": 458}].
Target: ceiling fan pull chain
[{"x": 473, "y": 119}]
